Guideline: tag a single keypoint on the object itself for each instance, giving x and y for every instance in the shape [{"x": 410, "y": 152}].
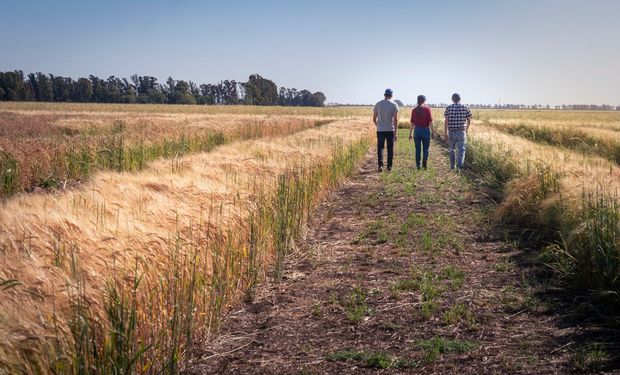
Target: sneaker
[
  {"x": 380, "y": 169},
  {"x": 389, "y": 169}
]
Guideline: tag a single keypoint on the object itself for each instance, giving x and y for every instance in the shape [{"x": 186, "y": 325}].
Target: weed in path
[
  {"x": 413, "y": 221},
  {"x": 428, "y": 244},
  {"x": 505, "y": 264},
  {"x": 454, "y": 276},
  {"x": 376, "y": 233},
  {"x": 316, "y": 310},
  {"x": 356, "y": 306},
  {"x": 457, "y": 313},
  {"x": 375, "y": 360},
  {"x": 430, "y": 290},
  {"x": 590, "y": 357},
  {"x": 435, "y": 346},
  {"x": 405, "y": 285}
]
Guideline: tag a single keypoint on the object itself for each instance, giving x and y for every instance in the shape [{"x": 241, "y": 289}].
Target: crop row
[
  {"x": 562, "y": 200},
  {"x": 55, "y": 151},
  {"x": 124, "y": 276}
]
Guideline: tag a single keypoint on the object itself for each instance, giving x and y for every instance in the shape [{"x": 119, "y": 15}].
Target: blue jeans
[
  {"x": 457, "y": 142},
  {"x": 422, "y": 141}
]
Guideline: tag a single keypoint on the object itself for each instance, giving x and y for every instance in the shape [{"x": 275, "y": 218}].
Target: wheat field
[
  {"x": 126, "y": 231},
  {"x": 151, "y": 257},
  {"x": 558, "y": 178}
]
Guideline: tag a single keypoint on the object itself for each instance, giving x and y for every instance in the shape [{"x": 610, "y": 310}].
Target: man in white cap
[{"x": 385, "y": 117}]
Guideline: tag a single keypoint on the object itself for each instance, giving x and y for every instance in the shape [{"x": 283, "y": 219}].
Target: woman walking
[{"x": 420, "y": 131}]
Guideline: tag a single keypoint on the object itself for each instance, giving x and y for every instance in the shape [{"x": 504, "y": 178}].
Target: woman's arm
[{"x": 412, "y": 124}]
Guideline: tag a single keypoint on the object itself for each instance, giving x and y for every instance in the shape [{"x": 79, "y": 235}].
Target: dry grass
[
  {"x": 557, "y": 119},
  {"x": 182, "y": 227},
  {"x": 578, "y": 172},
  {"x": 50, "y": 147},
  {"x": 565, "y": 201},
  {"x": 86, "y": 108}
]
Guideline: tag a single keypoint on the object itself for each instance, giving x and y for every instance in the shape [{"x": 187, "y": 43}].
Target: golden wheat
[{"x": 119, "y": 219}]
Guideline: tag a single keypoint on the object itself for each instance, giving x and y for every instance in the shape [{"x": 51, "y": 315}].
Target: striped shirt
[{"x": 457, "y": 115}]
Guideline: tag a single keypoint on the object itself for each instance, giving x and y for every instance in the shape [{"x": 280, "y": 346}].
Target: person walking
[
  {"x": 385, "y": 117},
  {"x": 421, "y": 131},
  {"x": 457, "y": 122}
]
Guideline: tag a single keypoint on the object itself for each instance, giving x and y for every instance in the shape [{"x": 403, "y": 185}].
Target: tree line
[{"x": 257, "y": 90}]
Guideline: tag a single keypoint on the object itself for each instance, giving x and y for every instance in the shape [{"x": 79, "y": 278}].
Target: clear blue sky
[{"x": 516, "y": 51}]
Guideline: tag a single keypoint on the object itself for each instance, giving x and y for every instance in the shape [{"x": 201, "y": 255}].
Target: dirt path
[{"x": 399, "y": 272}]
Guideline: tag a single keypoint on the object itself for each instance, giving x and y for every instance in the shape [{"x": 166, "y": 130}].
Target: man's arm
[
  {"x": 395, "y": 125},
  {"x": 445, "y": 126},
  {"x": 468, "y": 123},
  {"x": 374, "y": 117}
]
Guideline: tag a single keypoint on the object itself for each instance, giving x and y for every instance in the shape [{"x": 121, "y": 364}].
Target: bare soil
[{"x": 398, "y": 272}]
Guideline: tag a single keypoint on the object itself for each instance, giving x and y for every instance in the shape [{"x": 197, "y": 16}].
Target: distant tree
[
  {"x": 230, "y": 92},
  {"x": 193, "y": 89},
  {"x": 100, "y": 92},
  {"x": 292, "y": 97},
  {"x": 260, "y": 91},
  {"x": 14, "y": 86},
  {"x": 180, "y": 92},
  {"x": 130, "y": 95},
  {"x": 207, "y": 95},
  {"x": 82, "y": 91},
  {"x": 399, "y": 103},
  {"x": 319, "y": 99},
  {"x": 42, "y": 86},
  {"x": 170, "y": 86},
  {"x": 145, "y": 89},
  {"x": 62, "y": 88}
]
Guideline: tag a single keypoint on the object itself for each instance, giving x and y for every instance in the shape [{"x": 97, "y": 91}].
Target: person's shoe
[
  {"x": 424, "y": 164},
  {"x": 380, "y": 169},
  {"x": 389, "y": 169}
]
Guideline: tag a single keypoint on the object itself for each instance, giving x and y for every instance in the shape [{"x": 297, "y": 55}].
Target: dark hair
[
  {"x": 418, "y": 108},
  {"x": 456, "y": 97}
]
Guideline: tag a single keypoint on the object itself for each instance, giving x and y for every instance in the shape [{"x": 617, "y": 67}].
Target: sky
[{"x": 489, "y": 51}]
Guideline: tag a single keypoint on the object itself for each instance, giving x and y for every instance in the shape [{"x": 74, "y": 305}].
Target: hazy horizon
[{"x": 521, "y": 52}]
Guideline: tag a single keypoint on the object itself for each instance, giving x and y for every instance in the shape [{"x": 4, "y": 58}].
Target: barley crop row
[
  {"x": 59, "y": 149},
  {"x": 124, "y": 273},
  {"x": 595, "y": 141},
  {"x": 561, "y": 199}
]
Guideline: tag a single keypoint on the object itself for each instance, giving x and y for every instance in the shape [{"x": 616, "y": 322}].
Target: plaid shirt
[{"x": 457, "y": 115}]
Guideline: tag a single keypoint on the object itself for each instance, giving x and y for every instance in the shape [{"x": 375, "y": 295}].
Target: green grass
[
  {"x": 376, "y": 233},
  {"x": 591, "y": 357},
  {"x": 454, "y": 276},
  {"x": 405, "y": 285},
  {"x": 428, "y": 243},
  {"x": 411, "y": 223},
  {"x": 356, "y": 307},
  {"x": 435, "y": 346},
  {"x": 9, "y": 174},
  {"x": 373, "y": 360},
  {"x": 457, "y": 313}
]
